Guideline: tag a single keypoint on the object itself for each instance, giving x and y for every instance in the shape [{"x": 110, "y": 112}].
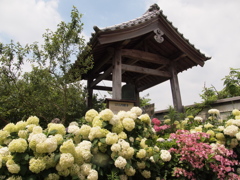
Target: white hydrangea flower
[
  {"x": 122, "y": 135},
  {"x": 141, "y": 165},
  {"x": 73, "y": 129},
  {"x": 85, "y": 145},
  {"x": 143, "y": 144},
  {"x": 213, "y": 111},
  {"x": 73, "y": 123},
  {"x": 136, "y": 110},
  {"x": 220, "y": 128},
  {"x": 66, "y": 160},
  {"x": 84, "y": 130},
  {"x": 146, "y": 174},
  {"x": 152, "y": 159},
  {"x": 115, "y": 147},
  {"x": 115, "y": 120},
  {"x": 40, "y": 137},
  {"x": 198, "y": 119},
  {"x": 90, "y": 114},
  {"x": 141, "y": 153},
  {"x": 238, "y": 136},
  {"x": 165, "y": 155},
  {"x": 236, "y": 122},
  {"x": 128, "y": 124},
  {"x": 111, "y": 138},
  {"x": 235, "y": 112},
  {"x": 4, "y": 151},
  {"x": 130, "y": 171},
  {"x": 145, "y": 118},
  {"x": 51, "y": 144},
  {"x": 86, "y": 168},
  {"x": 106, "y": 114},
  {"x": 229, "y": 122},
  {"x": 121, "y": 115},
  {"x": 131, "y": 139},
  {"x": 131, "y": 115},
  {"x": 37, "y": 129},
  {"x": 93, "y": 175},
  {"x": 95, "y": 132},
  {"x": 231, "y": 130},
  {"x": 124, "y": 144},
  {"x": 120, "y": 162}
]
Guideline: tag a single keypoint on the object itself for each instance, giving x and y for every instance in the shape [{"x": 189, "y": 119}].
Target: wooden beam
[
  {"x": 144, "y": 56},
  {"x": 101, "y": 77},
  {"x": 145, "y": 75},
  {"x": 143, "y": 70},
  {"x": 176, "y": 95},
  {"x": 117, "y": 75},
  {"x": 102, "y": 88},
  {"x": 180, "y": 57}
]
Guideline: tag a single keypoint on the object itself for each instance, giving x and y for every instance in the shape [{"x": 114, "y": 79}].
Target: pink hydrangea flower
[{"x": 156, "y": 121}]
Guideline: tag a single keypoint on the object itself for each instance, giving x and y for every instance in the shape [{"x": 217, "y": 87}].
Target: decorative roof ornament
[{"x": 158, "y": 35}]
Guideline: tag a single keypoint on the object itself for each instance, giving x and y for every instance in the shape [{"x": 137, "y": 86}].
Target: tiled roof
[{"x": 152, "y": 12}]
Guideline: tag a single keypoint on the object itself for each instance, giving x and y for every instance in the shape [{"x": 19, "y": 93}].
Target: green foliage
[
  {"x": 145, "y": 100},
  {"x": 232, "y": 83},
  {"x": 209, "y": 95},
  {"x": 174, "y": 115}
]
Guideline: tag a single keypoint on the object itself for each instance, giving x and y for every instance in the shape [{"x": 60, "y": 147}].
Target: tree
[
  {"x": 232, "y": 83},
  {"x": 58, "y": 50},
  {"x": 45, "y": 91}
]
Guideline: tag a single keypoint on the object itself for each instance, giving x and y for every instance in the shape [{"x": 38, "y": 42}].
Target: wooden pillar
[
  {"x": 176, "y": 95},
  {"x": 90, "y": 93},
  {"x": 137, "y": 98},
  {"x": 117, "y": 75}
]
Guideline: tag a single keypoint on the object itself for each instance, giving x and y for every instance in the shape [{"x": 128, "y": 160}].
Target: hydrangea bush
[{"x": 126, "y": 145}]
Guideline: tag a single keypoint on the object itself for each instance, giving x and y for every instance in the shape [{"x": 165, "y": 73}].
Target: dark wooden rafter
[
  {"x": 142, "y": 70},
  {"x": 102, "y": 76},
  {"x": 102, "y": 88},
  {"x": 144, "y": 56}
]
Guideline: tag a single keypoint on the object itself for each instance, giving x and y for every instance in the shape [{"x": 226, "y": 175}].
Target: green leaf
[
  {"x": 156, "y": 157},
  {"x": 57, "y": 157},
  {"x": 23, "y": 170},
  {"x": 31, "y": 177},
  {"x": 54, "y": 131},
  {"x": 103, "y": 140}
]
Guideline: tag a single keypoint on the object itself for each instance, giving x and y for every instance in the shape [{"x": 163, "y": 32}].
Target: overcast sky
[{"x": 213, "y": 26}]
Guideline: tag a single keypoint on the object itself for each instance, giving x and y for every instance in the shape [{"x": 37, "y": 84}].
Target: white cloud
[
  {"x": 25, "y": 21},
  {"x": 213, "y": 27}
]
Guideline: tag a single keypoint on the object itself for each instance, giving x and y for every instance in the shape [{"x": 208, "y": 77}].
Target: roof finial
[{"x": 154, "y": 7}]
